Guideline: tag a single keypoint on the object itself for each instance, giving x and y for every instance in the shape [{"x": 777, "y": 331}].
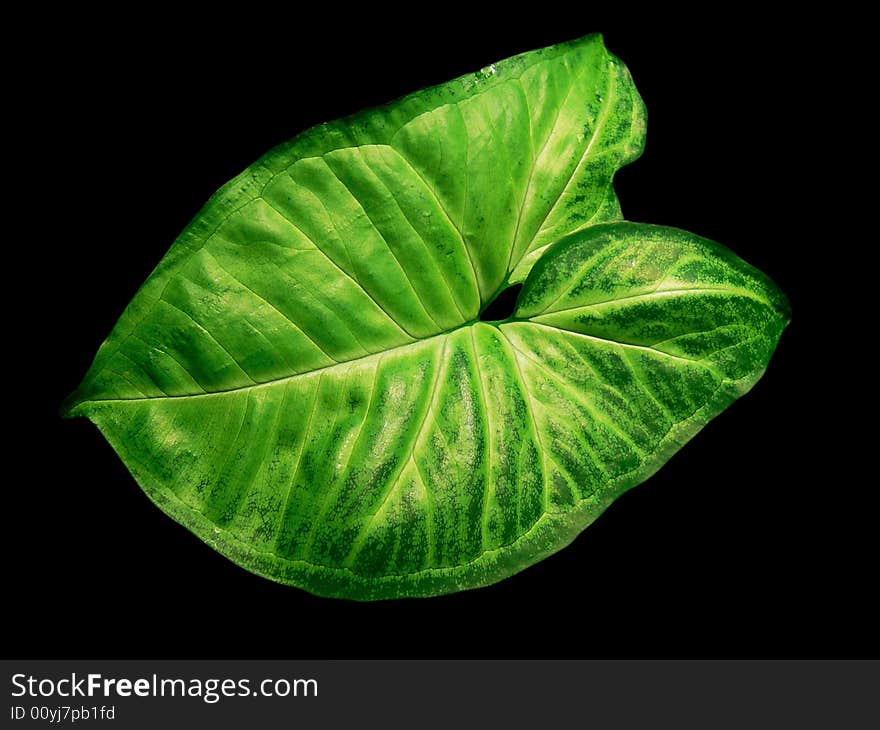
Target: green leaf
[{"x": 303, "y": 381}]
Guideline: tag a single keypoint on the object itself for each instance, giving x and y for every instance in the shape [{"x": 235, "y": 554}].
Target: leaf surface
[{"x": 303, "y": 381}]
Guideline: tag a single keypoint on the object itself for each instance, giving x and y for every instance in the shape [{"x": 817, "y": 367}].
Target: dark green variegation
[{"x": 303, "y": 380}]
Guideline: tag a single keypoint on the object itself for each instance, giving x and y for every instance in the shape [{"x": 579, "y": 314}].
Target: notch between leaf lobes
[{"x": 502, "y": 306}]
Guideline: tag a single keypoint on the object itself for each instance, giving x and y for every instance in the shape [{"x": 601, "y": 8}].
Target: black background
[{"x": 755, "y": 540}]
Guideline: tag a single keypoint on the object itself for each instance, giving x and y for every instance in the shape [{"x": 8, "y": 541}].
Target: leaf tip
[
  {"x": 72, "y": 406},
  {"x": 778, "y": 302}
]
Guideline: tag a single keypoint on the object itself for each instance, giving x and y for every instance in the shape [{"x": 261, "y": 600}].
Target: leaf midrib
[
  {"x": 378, "y": 355},
  {"x": 656, "y": 294}
]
